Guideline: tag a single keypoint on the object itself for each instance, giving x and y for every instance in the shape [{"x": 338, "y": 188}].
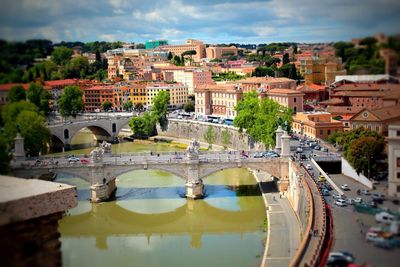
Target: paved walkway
[{"x": 283, "y": 228}]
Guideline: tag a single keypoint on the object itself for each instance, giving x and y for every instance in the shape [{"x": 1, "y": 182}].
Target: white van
[{"x": 384, "y": 217}]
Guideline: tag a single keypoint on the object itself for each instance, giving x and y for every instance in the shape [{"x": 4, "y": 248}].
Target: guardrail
[{"x": 316, "y": 244}]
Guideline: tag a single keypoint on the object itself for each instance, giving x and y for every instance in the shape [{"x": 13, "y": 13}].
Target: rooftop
[
  {"x": 284, "y": 91},
  {"x": 265, "y": 80}
]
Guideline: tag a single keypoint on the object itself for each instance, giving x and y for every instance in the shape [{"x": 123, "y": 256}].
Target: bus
[{"x": 228, "y": 122}]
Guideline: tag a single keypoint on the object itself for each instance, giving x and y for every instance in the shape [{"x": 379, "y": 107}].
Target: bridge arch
[{"x": 179, "y": 171}]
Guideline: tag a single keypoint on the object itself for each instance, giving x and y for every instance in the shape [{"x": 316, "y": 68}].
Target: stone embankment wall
[{"x": 194, "y": 129}]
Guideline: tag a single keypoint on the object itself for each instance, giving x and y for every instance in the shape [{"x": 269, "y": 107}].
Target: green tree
[
  {"x": 40, "y": 97},
  {"x": 188, "y": 107},
  {"x": 78, "y": 67},
  {"x": 16, "y": 94},
  {"x": 364, "y": 153},
  {"x": 226, "y": 138},
  {"x": 34, "y": 131},
  {"x": 5, "y": 156},
  {"x": 11, "y": 111},
  {"x": 128, "y": 106},
  {"x": 144, "y": 125},
  {"x": 61, "y": 55},
  {"x": 106, "y": 105},
  {"x": 289, "y": 71},
  {"x": 260, "y": 117},
  {"x": 169, "y": 55},
  {"x": 139, "y": 106},
  {"x": 262, "y": 71},
  {"x": 209, "y": 136},
  {"x": 285, "y": 59},
  {"x": 70, "y": 102},
  {"x": 160, "y": 108}
]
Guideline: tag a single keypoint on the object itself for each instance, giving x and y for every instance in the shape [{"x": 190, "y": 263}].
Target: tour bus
[
  {"x": 185, "y": 116},
  {"x": 228, "y": 121},
  {"x": 213, "y": 119}
]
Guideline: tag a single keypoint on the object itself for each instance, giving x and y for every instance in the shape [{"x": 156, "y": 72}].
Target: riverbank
[{"x": 283, "y": 236}]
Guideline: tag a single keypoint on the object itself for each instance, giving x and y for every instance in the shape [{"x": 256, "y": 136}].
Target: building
[
  {"x": 313, "y": 93},
  {"x": 95, "y": 96},
  {"x": 192, "y": 77},
  {"x": 288, "y": 98},
  {"x": 191, "y": 44},
  {"x": 376, "y": 119},
  {"x": 315, "y": 125},
  {"x": 5, "y": 89},
  {"x": 390, "y": 57},
  {"x": 56, "y": 88},
  {"x": 320, "y": 70},
  {"x": 266, "y": 83},
  {"x": 151, "y": 44},
  {"x": 217, "y": 99},
  {"x": 217, "y": 52},
  {"x": 393, "y": 140},
  {"x": 343, "y": 114},
  {"x": 178, "y": 93}
]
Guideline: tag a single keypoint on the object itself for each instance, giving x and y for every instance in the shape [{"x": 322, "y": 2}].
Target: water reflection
[{"x": 150, "y": 224}]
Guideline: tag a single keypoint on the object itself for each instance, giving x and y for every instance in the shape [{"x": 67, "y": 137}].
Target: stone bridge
[
  {"x": 104, "y": 127},
  {"x": 101, "y": 175}
]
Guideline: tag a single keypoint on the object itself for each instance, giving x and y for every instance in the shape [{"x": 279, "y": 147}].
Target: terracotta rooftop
[
  {"x": 387, "y": 112},
  {"x": 264, "y": 80},
  {"x": 8, "y": 86},
  {"x": 332, "y": 101},
  {"x": 343, "y": 110},
  {"x": 311, "y": 87},
  {"x": 216, "y": 87},
  {"x": 283, "y": 91},
  {"x": 61, "y": 82}
]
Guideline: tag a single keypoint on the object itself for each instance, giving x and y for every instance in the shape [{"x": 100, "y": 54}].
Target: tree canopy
[
  {"x": 106, "y": 105},
  {"x": 40, "y": 97},
  {"x": 209, "y": 136},
  {"x": 61, "y": 55},
  {"x": 160, "y": 107},
  {"x": 70, "y": 102},
  {"x": 16, "y": 94},
  {"x": 188, "y": 107},
  {"x": 260, "y": 117},
  {"x": 144, "y": 125}
]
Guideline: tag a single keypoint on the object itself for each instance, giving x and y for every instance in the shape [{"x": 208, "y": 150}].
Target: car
[
  {"x": 337, "y": 196},
  {"x": 73, "y": 159},
  {"x": 328, "y": 186},
  {"x": 299, "y": 150},
  {"x": 372, "y": 204},
  {"x": 324, "y": 149},
  {"x": 317, "y": 147},
  {"x": 358, "y": 200},
  {"x": 342, "y": 256},
  {"x": 371, "y": 236},
  {"x": 350, "y": 201},
  {"x": 341, "y": 202},
  {"x": 321, "y": 178},
  {"x": 378, "y": 197},
  {"x": 309, "y": 167},
  {"x": 303, "y": 157},
  {"x": 85, "y": 161},
  {"x": 258, "y": 155},
  {"x": 364, "y": 192},
  {"x": 325, "y": 192},
  {"x": 345, "y": 187}
]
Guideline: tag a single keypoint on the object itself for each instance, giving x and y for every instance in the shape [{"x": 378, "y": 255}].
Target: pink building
[{"x": 287, "y": 97}]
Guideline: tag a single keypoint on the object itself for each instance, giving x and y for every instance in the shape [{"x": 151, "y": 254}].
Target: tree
[
  {"x": 107, "y": 105},
  {"x": 127, "y": 106},
  {"x": 144, "y": 125},
  {"x": 5, "y": 156},
  {"x": 40, "y": 97},
  {"x": 169, "y": 55},
  {"x": 160, "y": 108},
  {"x": 16, "y": 94},
  {"x": 209, "y": 136},
  {"x": 289, "y": 71},
  {"x": 11, "y": 111},
  {"x": 263, "y": 72},
  {"x": 226, "y": 138},
  {"x": 70, "y": 102},
  {"x": 34, "y": 131},
  {"x": 139, "y": 106},
  {"x": 285, "y": 59},
  {"x": 364, "y": 153},
  {"x": 188, "y": 107},
  {"x": 61, "y": 55},
  {"x": 260, "y": 117}
]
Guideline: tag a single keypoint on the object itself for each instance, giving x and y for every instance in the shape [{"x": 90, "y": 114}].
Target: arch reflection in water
[{"x": 199, "y": 232}]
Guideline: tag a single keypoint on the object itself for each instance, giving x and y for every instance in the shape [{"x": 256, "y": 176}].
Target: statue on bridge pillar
[
  {"x": 106, "y": 147},
  {"x": 192, "y": 151},
  {"x": 97, "y": 154}
]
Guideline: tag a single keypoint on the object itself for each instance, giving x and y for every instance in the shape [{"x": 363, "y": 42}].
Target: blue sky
[{"x": 213, "y": 21}]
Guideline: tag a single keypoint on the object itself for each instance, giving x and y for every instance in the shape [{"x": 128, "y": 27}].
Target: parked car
[
  {"x": 342, "y": 256},
  {"x": 321, "y": 178},
  {"x": 303, "y": 157},
  {"x": 364, "y": 192},
  {"x": 350, "y": 201},
  {"x": 371, "y": 236},
  {"x": 73, "y": 159},
  {"x": 258, "y": 155},
  {"x": 309, "y": 167},
  {"x": 337, "y": 196},
  {"x": 358, "y": 200},
  {"x": 299, "y": 150},
  {"x": 384, "y": 217},
  {"x": 85, "y": 161},
  {"x": 317, "y": 147},
  {"x": 325, "y": 192},
  {"x": 341, "y": 202},
  {"x": 324, "y": 149},
  {"x": 378, "y": 197},
  {"x": 345, "y": 187}
]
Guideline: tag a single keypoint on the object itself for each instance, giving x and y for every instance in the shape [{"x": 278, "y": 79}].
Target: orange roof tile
[{"x": 8, "y": 86}]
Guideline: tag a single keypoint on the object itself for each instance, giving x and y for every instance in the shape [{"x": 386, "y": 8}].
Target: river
[{"x": 150, "y": 223}]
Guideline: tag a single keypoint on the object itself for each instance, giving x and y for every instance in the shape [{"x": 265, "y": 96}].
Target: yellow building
[
  {"x": 320, "y": 70},
  {"x": 214, "y": 52},
  {"x": 178, "y": 93},
  {"x": 191, "y": 44},
  {"x": 315, "y": 125}
]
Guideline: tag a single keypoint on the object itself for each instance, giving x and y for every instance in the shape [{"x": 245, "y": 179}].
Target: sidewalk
[{"x": 283, "y": 228}]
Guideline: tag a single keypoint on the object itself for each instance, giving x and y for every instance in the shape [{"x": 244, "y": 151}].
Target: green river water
[{"x": 150, "y": 223}]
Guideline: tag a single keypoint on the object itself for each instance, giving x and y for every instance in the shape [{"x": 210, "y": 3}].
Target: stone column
[
  {"x": 279, "y": 133},
  {"x": 19, "y": 151},
  {"x": 194, "y": 185},
  {"x": 99, "y": 192},
  {"x": 285, "y": 142}
]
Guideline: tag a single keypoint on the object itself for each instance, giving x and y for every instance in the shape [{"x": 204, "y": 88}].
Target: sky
[{"x": 213, "y": 21}]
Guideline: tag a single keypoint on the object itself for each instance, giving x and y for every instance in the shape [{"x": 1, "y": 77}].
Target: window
[
  {"x": 398, "y": 162},
  {"x": 329, "y": 132},
  {"x": 398, "y": 188},
  {"x": 398, "y": 175},
  {"x": 295, "y": 100},
  {"x": 321, "y": 132},
  {"x": 398, "y": 133}
]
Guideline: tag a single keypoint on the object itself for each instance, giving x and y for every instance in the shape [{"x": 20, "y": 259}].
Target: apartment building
[
  {"x": 217, "y": 99},
  {"x": 94, "y": 96},
  {"x": 217, "y": 52},
  {"x": 288, "y": 98},
  {"x": 191, "y": 77},
  {"x": 191, "y": 44},
  {"x": 321, "y": 70},
  {"x": 266, "y": 83},
  {"x": 178, "y": 93},
  {"x": 315, "y": 124},
  {"x": 393, "y": 140}
]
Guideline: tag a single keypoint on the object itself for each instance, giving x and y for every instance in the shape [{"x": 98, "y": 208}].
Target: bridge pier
[
  {"x": 102, "y": 191},
  {"x": 195, "y": 189}
]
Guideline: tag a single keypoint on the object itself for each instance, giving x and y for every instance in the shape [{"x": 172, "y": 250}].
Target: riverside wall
[{"x": 186, "y": 129}]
